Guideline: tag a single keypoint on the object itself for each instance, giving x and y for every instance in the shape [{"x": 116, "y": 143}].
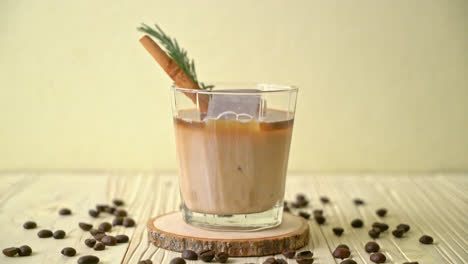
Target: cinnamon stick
[{"x": 180, "y": 78}]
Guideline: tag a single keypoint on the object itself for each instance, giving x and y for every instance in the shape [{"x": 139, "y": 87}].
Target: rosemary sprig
[{"x": 174, "y": 51}]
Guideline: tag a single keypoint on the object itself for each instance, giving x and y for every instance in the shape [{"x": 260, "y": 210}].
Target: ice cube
[{"x": 234, "y": 106}]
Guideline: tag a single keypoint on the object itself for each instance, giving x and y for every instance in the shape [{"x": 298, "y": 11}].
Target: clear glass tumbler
[{"x": 232, "y": 150}]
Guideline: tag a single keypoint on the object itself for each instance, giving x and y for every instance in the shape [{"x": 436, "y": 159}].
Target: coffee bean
[
  {"x": 324, "y": 199},
  {"x": 404, "y": 227},
  {"x": 221, "y": 257},
  {"x": 281, "y": 261},
  {"x": 338, "y": 231},
  {"x": 289, "y": 253},
  {"x": 300, "y": 197},
  {"x": 93, "y": 213},
  {"x": 118, "y": 202},
  {"x": 90, "y": 242},
  {"x": 319, "y": 219},
  {"x": 318, "y": 212},
  {"x": 189, "y": 254},
  {"x": 398, "y": 233},
  {"x": 358, "y": 201},
  {"x": 117, "y": 221},
  {"x": 382, "y": 212},
  {"x": 68, "y": 251},
  {"x": 85, "y": 226},
  {"x": 120, "y": 212},
  {"x": 128, "y": 222},
  {"x": 11, "y": 251},
  {"x": 371, "y": 247},
  {"x": 341, "y": 253},
  {"x": 357, "y": 223},
  {"x": 270, "y": 260},
  {"x": 207, "y": 255},
  {"x": 29, "y": 225},
  {"x": 24, "y": 251},
  {"x": 89, "y": 259},
  {"x": 94, "y": 232},
  {"x": 44, "y": 233},
  {"x": 304, "y": 260},
  {"x": 413, "y": 262},
  {"x": 382, "y": 226},
  {"x": 59, "y": 234},
  {"x": 177, "y": 261},
  {"x": 122, "y": 238},
  {"x": 101, "y": 207},
  {"x": 343, "y": 246},
  {"x": 348, "y": 261},
  {"x": 425, "y": 239},
  {"x": 304, "y": 215},
  {"x": 99, "y": 246},
  {"x": 105, "y": 227},
  {"x": 146, "y": 261},
  {"x": 100, "y": 236},
  {"x": 110, "y": 210},
  {"x": 378, "y": 258},
  {"x": 109, "y": 241},
  {"x": 374, "y": 233},
  {"x": 305, "y": 254},
  {"x": 65, "y": 211}
]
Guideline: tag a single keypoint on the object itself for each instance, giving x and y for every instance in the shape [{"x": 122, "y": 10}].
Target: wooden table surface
[{"x": 436, "y": 205}]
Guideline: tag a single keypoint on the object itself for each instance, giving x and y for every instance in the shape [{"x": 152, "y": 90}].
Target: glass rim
[{"x": 273, "y": 88}]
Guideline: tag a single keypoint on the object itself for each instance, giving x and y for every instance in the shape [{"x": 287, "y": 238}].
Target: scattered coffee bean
[
  {"x": 59, "y": 234},
  {"x": 109, "y": 241},
  {"x": 382, "y": 226},
  {"x": 357, "y": 223},
  {"x": 425, "y": 239},
  {"x": 122, "y": 238},
  {"x": 318, "y": 212},
  {"x": 281, "y": 261},
  {"x": 378, "y": 258},
  {"x": 341, "y": 253},
  {"x": 120, "y": 212},
  {"x": 270, "y": 260},
  {"x": 101, "y": 207},
  {"x": 374, "y": 233},
  {"x": 338, "y": 231},
  {"x": 382, "y": 212},
  {"x": 117, "y": 221},
  {"x": 343, "y": 246},
  {"x": 93, "y": 213},
  {"x": 105, "y": 227},
  {"x": 65, "y": 211},
  {"x": 110, "y": 210},
  {"x": 221, "y": 257},
  {"x": 304, "y": 215},
  {"x": 68, "y": 251},
  {"x": 404, "y": 227},
  {"x": 146, "y": 261},
  {"x": 189, "y": 254},
  {"x": 348, "y": 261},
  {"x": 300, "y": 197},
  {"x": 398, "y": 233},
  {"x": 99, "y": 236},
  {"x": 118, "y": 202},
  {"x": 371, "y": 247},
  {"x": 413, "y": 262},
  {"x": 305, "y": 254},
  {"x": 207, "y": 255},
  {"x": 89, "y": 259},
  {"x": 85, "y": 226},
  {"x": 177, "y": 261},
  {"x": 324, "y": 199},
  {"x": 128, "y": 222},
  {"x": 44, "y": 233},
  {"x": 10, "y": 252},
  {"x": 300, "y": 260},
  {"x": 99, "y": 246},
  {"x": 358, "y": 201},
  {"x": 90, "y": 242},
  {"x": 29, "y": 225},
  {"x": 289, "y": 253},
  {"x": 319, "y": 219},
  {"x": 94, "y": 232},
  {"x": 24, "y": 251}
]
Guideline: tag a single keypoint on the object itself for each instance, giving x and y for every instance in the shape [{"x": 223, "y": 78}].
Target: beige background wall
[{"x": 384, "y": 84}]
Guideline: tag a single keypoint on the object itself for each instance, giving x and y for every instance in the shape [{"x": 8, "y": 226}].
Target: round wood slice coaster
[{"x": 169, "y": 231}]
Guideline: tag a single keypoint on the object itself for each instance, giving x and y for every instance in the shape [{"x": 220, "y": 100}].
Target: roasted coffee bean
[
  {"x": 59, "y": 234},
  {"x": 117, "y": 221},
  {"x": 304, "y": 215},
  {"x": 122, "y": 238},
  {"x": 374, "y": 233},
  {"x": 319, "y": 219},
  {"x": 300, "y": 260},
  {"x": 177, "y": 261},
  {"x": 300, "y": 204},
  {"x": 398, "y": 233},
  {"x": 343, "y": 246},
  {"x": 413, "y": 262},
  {"x": 358, "y": 201},
  {"x": 105, "y": 227},
  {"x": 378, "y": 258},
  {"x": 281, "y": 261},
  {"x": 338, "y": 231},
  {"x": 120, "y": 212},
  {"x": 371, "y": 247},
  {"x": 318, "y": 212},
  {"x": 68, "y": 251},
  {"x": 348, "y": 261},
  {"x": 404, "y": 227},
  {"x": 382, "y": 226},
  {"x": 426, "y": 240},
  {"x": 357, "y": 223},
  {"x": 146, "y": 261},
  {"x": 305, "y": 254},
  {"x": 44, "y": 233},
  {"x": 85, "y": 226},
  {"x": 207, "y": 255},
  {"x": 99, "y": 246},
  {"x": 110, "y": 210},
  {"x": 101, "y": 207},
  {"x": 118, "y": 202},
  {"x": 100, "y": 236},
  {"x": 90, "y": 242},
  {"x": 300, "y": 197},
  {"x": 94, "y": 232},
  {"x": 29, "y": 225},
  {"x": 93, "y": 213},
  {"x": 221, "y": 257},
  {"x": 381, "y": 212},
  {"x": 289, "y": 253},
  {"x": 128, "y": 222},
  {"x": 65, "y": 211},
  {"x": 341, "y": 253},
  {"x": 324, "y": 199},
  {"x": 189, "y": 254},
  {"x": 10, "y": 252},
  {"x": 109, "y": 241},
  {"x": 270, "y": 260},
  {"x": 24, "y": 251},
  {"x": 89, "y": 259}
]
